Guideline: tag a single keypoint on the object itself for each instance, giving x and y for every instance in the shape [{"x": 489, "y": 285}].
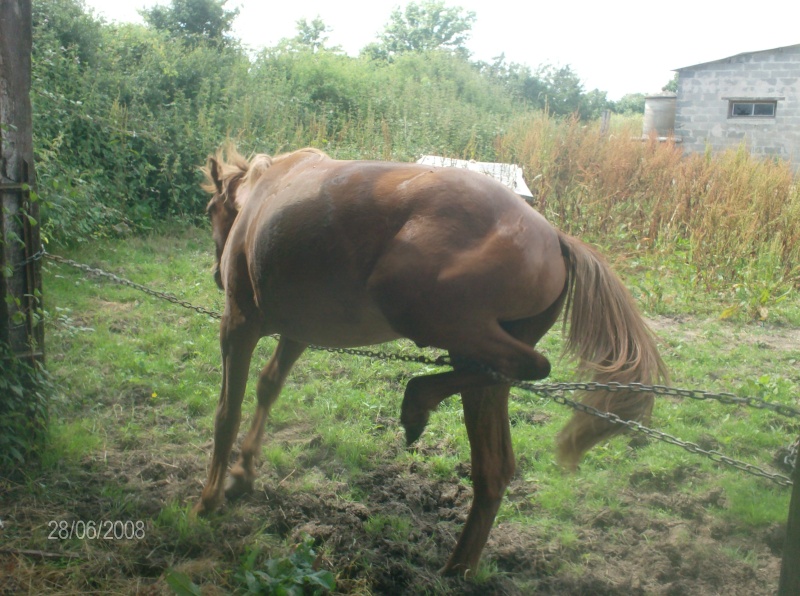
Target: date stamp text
[{"x": 96, "y": 530}]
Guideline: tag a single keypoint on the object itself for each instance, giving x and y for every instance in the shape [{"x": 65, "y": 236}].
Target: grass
[
  {"x": 132, "y": 426},
  {"x": 391, "y": 527}
]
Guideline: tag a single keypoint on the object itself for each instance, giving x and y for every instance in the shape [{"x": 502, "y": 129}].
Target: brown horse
[{"x": 352, "y": 253}]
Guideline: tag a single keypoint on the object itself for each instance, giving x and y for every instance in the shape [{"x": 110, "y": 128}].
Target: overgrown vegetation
[
  {"x": 26, "y": 388},
  {"x": 125, "y": 114},
  {"x": 733, "y": 219}
]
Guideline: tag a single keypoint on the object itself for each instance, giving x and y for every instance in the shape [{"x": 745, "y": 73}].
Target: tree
[
  {"x": 194, "y": 20},
  {"x": 68, "y": 25},
  {"x": 631, "y": 103},
  {"x": 18, "y": 213},
  {"x": 593, "y": 104},
  {"x": 428, "y": 25},
  {"x": 312, "y": 35},
  {"x": 563, "y": 89},
  {"x": 672, "y": 85},
  {"x": 23, "y": 409}
]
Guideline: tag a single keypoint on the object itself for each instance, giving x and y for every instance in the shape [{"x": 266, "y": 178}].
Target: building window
[{"x": 752, "y": 109}]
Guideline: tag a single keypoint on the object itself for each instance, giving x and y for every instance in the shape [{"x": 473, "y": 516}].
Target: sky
[{"x": 617, "y": 46}]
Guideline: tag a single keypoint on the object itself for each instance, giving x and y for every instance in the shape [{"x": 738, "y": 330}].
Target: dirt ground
[
  {"x": 625, "y": 551},
  {"x": 630, "y": 553}
]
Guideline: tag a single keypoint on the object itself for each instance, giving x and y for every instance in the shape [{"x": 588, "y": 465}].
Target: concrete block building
[{"x": 751, "y": 98}]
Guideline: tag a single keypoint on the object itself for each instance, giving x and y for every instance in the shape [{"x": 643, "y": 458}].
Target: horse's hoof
[
  {"x": 414, "y": 424},
  {"x": 237, "y": 487},
  {"x": 455, "y": 571},
  {"x": 414, "y": 432},
  {"x": 202, "y": 509}
]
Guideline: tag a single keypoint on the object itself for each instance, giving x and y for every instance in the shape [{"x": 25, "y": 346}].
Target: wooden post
[
  {"x": 790, "y": 566},
  {"x": 20, "y": 277},
  {"x": 605, "y": 122}
]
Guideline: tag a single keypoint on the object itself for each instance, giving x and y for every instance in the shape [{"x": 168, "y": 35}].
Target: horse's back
[{"x": 337, "y": 250}]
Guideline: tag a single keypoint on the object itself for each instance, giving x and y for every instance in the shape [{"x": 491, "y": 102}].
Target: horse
[{"x": 353, "y": 253}]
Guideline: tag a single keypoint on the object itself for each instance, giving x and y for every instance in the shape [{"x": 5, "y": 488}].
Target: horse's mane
[{"x": 233, "y": 167}]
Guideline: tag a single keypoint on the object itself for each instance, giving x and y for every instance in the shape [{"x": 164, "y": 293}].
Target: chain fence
[{"x": 552, "y": 391}]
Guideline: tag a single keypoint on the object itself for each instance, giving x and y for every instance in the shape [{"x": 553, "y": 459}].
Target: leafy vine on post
[{"x": 22, "y": 401}]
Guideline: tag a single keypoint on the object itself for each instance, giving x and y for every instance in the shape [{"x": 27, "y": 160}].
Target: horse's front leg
[
  {"x": 238, "y": 339},
  {"x": 270, "y": 383},
  {"x": 486, "y": 418}
]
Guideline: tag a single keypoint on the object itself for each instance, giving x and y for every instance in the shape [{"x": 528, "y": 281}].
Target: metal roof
[{"x": 508, "y": 174}]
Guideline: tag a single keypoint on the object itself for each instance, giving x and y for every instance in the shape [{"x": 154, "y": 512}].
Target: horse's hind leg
[
  {"x": 270, "y": 383},
  {"x": 238, "y": 339},
  {"x": 478, "y": 342},
  {"x": 424, "y": 393},
  {"x": 486, "y": 418}
]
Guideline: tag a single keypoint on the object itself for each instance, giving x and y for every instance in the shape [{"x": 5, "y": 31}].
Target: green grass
[
  {"x": 70, "y": 442},
  {"x": 391, "y": 527},
  {"x": 139, "y": 380}
]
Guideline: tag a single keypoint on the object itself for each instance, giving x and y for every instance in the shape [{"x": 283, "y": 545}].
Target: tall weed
[{"x": 739, "y": 215}]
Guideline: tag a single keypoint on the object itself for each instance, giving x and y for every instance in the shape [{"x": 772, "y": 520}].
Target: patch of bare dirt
[
  {"x": 760, "y": 335},
  {"x": 620, "y": 550}
]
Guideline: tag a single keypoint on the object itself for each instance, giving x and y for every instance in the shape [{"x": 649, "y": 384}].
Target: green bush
[
  {"x": 124, "y": 114},
  {"x": 24, "y": 392}
]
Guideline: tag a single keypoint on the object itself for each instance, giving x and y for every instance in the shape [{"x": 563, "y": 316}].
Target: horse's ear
[{"x": 213, "y": 170}]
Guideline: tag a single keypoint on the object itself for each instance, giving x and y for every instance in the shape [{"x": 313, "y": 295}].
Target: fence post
[
  {"x": 605, "y": 122},
  {"x": 790, "y": 565},
  {"x": 20, "y": 276}
]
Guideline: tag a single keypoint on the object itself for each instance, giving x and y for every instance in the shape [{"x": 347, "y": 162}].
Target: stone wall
[{"x": 705, "y": 91}]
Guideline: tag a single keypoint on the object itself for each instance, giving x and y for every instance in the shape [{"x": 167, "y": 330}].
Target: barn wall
[{"x": 704, "y": 92}]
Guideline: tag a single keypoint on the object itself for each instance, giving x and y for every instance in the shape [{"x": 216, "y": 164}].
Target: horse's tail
[{"x": 609, "y": 338}]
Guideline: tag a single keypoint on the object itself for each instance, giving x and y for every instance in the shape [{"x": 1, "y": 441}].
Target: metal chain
[
  {"x": 38, "y": 256},
  {"x": 728, "y": 399},
  {"x": 379, "y": 355},
  {"x": 553, "y": 391},
  {"x": 791, "y": 456},
  {"x": 442, "y": 360},
  {"x": 126, "y": 282}
]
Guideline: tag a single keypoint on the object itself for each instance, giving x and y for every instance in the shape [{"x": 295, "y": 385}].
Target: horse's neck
[{"x": 241, "y": 198}]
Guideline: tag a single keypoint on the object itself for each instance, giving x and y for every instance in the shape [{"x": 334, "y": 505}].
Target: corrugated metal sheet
[{"x": 508, "y": 174}]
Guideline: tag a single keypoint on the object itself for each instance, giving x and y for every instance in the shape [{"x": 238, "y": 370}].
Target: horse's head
[
  {"x": 229, "y": 180},
  {"x": 222, "y": 209}
]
